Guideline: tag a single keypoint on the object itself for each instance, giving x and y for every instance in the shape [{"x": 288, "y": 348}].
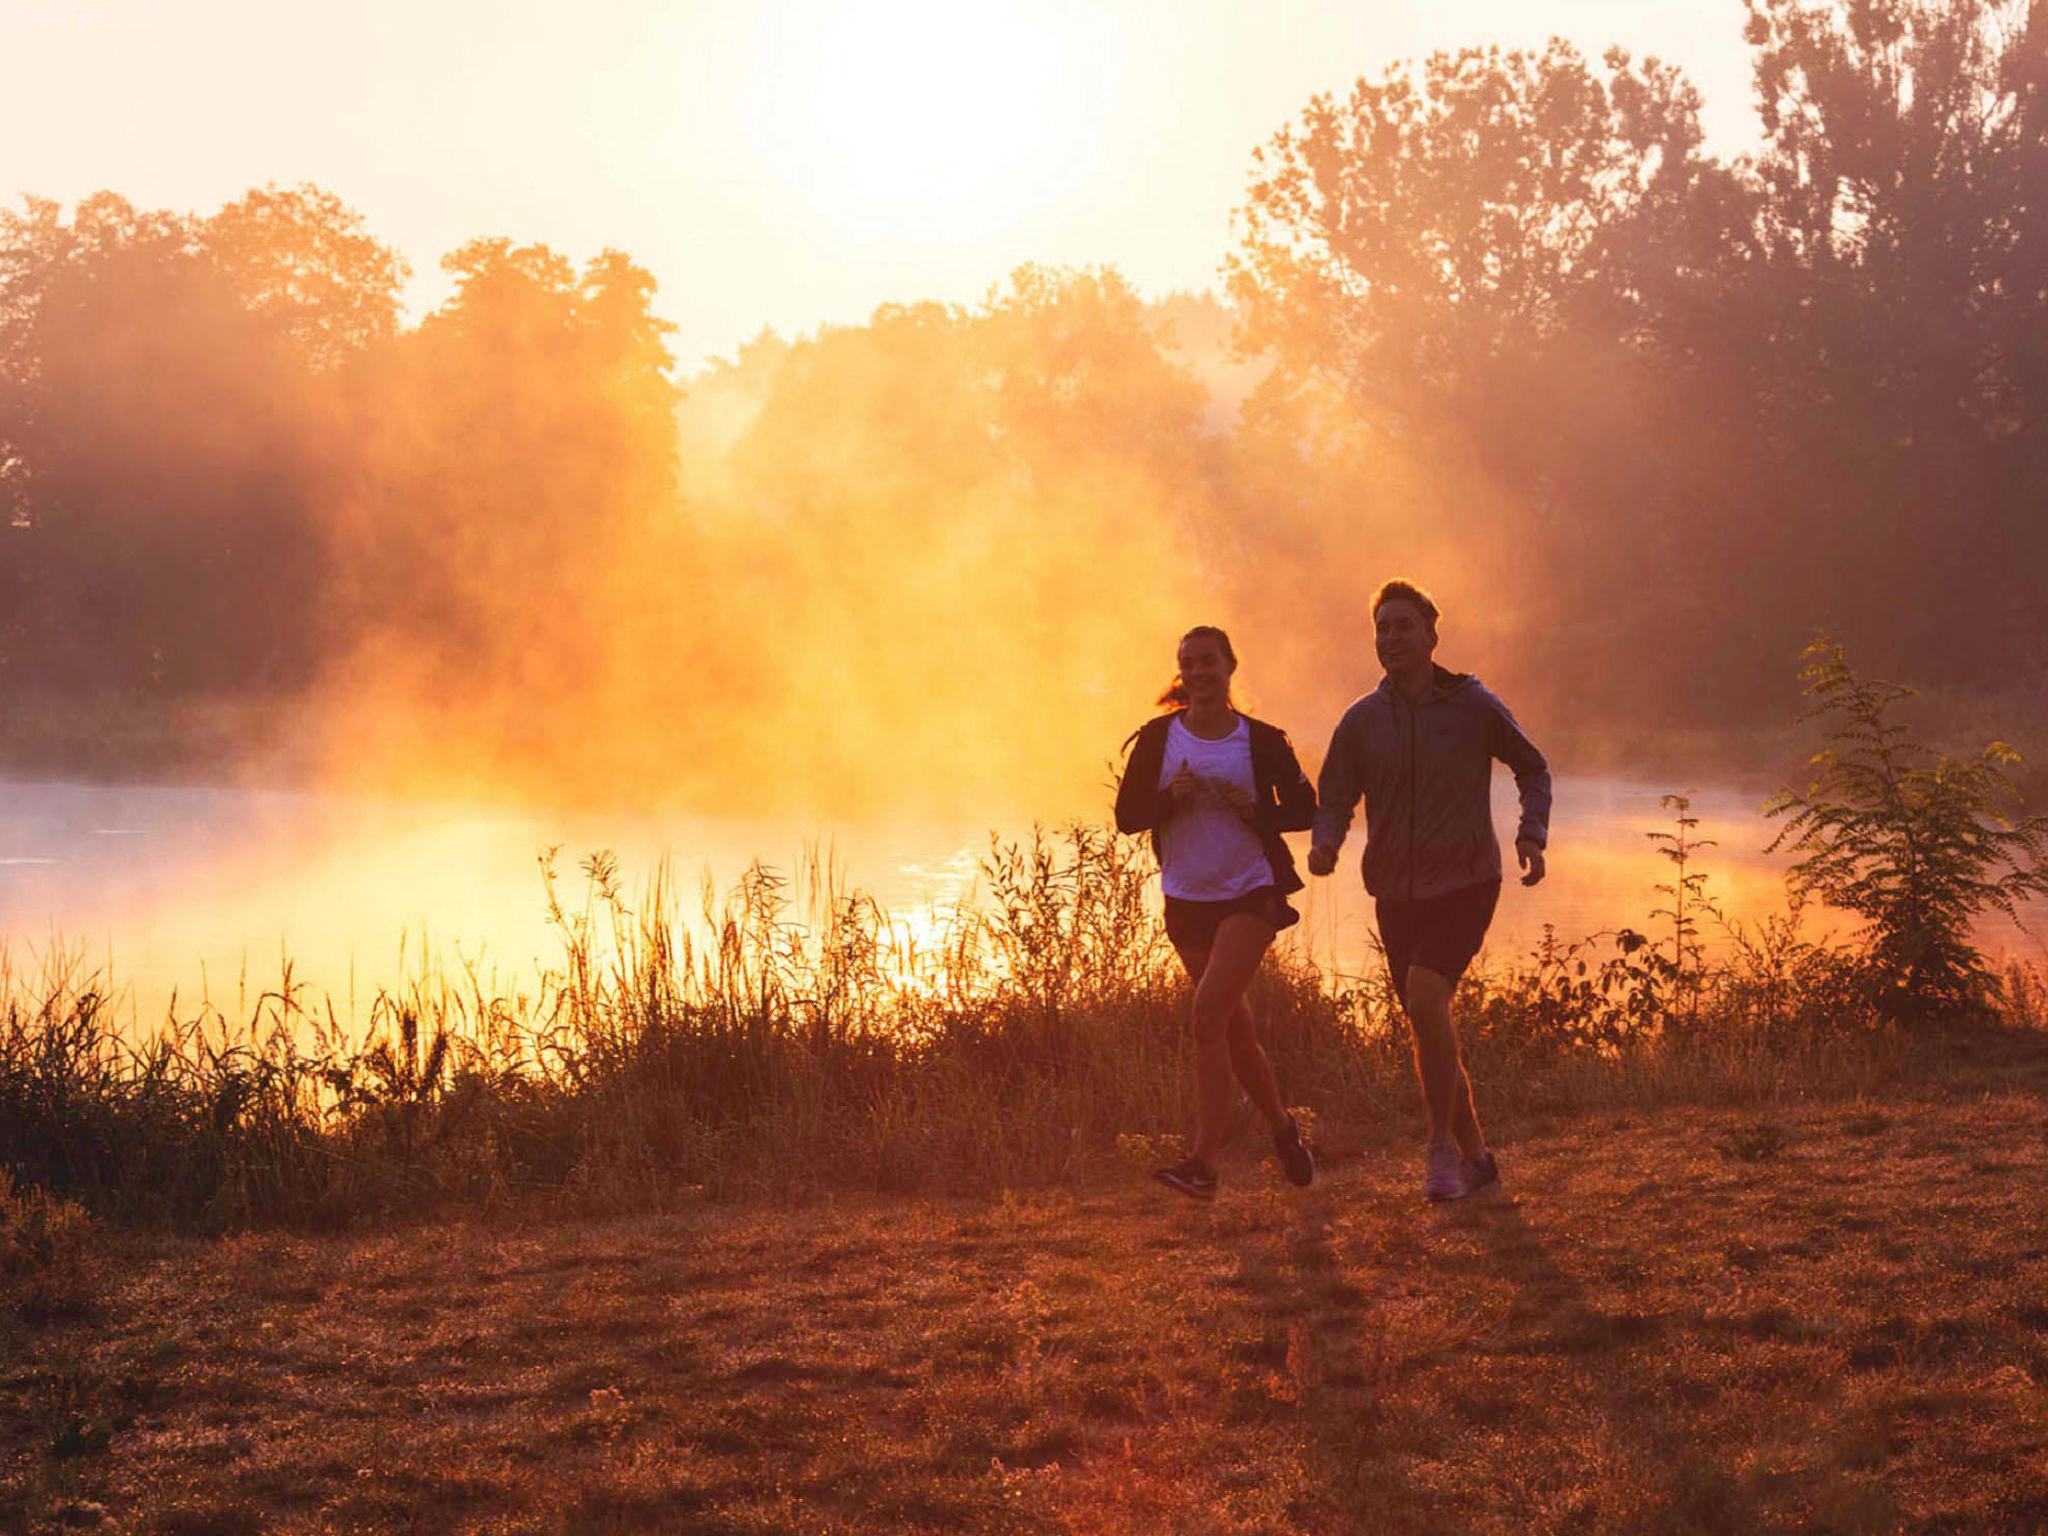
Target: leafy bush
[{"x": 1918, "y": 845}]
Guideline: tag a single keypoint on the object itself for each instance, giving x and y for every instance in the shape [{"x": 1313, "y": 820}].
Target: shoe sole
[
  {"x": 1308, "y": 1175},
  {"x": 1490, "y": 1187},
  {"x": 1287, "y": 1172},
  {"x": 1192, "y": 1191}
]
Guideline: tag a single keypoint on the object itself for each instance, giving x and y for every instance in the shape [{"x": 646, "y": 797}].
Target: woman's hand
[
  {"x": 1183, "y": 789},
  {"x": 1234, "y": 798},
  {"x": 1188, "y": 789}
]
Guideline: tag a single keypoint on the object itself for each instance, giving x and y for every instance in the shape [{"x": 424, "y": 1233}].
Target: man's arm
[
  {"x": 1505, "y": 740},
  {"x": 1338, "y": 787}
]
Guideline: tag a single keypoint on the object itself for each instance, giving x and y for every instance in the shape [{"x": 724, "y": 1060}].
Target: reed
[{"x": 796, "y": 1037}]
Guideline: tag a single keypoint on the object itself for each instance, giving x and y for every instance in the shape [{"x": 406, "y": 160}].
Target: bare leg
[
  {"x": 1210, "y": 1066},
  {"x": 1439, "y": 1064},
  {"x": 1248, "y": 1060},
  {"x": 1240, "y": 944}
]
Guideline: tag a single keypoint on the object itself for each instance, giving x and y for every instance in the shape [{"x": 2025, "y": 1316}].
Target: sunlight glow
[{"x": 919, "y": 117}]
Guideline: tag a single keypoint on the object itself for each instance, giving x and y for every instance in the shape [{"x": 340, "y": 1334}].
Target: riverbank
[
  {"x": 135, "y": 739},
  {"x": 1821, "y": 1317}
]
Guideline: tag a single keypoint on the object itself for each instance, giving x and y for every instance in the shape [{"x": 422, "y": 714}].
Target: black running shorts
[
  {"x": 1192, "y": 925},
  {"x": 1442, "y": 933}
]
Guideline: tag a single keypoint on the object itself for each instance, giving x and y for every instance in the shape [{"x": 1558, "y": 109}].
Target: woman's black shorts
[
  {"x": 1192, "y": 925},
  {"x": 1440, "y": 932}
]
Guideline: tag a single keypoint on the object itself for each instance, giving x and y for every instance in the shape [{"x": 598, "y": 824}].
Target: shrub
[{"x": 1917, "y": 845}]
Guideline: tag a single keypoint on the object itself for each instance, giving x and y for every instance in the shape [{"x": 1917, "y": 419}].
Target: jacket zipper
[{"x": 1412, "y": 707}]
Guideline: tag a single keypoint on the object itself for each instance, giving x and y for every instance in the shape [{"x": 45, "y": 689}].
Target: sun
[{"x": 917, "y": 117}]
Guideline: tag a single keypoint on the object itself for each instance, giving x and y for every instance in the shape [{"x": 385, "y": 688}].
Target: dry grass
[{"x": 1818, "y": 1318}]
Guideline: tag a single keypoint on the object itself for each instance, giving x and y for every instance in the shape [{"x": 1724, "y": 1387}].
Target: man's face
[{"x": 1402, "y": 637}]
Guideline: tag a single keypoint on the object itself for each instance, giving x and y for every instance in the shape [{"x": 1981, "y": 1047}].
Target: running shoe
[
  {"x": 1482, "y": 1175},
  {"x": 1296, "y": 1161},
  {"x": 1190, "y": 1178},
  {"x": 1445, "y": 1179}
]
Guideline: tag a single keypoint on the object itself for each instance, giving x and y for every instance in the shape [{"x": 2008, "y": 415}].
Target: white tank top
[{"x": 1206, "y": 851}]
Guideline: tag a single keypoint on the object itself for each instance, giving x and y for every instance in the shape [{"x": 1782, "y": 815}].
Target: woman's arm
[
  {"x": 1297, "y": 810},
  {"x": 1292, "y": 803},
  {"x": 1139, "y": 807}
]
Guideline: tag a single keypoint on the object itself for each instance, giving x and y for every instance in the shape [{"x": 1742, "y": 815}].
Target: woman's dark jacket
[{"x": 1284, "y": 800}]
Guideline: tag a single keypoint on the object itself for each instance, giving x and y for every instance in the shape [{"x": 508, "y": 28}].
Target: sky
[{"x": 776, "y": 164}]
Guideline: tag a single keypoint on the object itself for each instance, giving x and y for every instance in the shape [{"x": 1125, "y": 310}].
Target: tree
[
  {"x": 1488, "y": 288},
  {"x": 1399, "y": 242},
  {"x": 1902, "y": 334},
  {"x": 512, "y": 460},
  {"x": 1904, "y": 168},
  {"x": 303, "y": 260},
  {"x": 160, "y": 438}
]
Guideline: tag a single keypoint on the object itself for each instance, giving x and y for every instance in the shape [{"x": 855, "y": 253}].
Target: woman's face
[{"x": 1204, "y": 671}]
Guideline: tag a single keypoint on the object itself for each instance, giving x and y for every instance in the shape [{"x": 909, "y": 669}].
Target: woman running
[{"x": 1216, "y": 789}]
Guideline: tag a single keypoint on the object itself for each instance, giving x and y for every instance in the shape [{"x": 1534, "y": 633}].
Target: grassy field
[
  {"x": 1822, "y": 1317},
  {"x": 809, "y": 1227}
]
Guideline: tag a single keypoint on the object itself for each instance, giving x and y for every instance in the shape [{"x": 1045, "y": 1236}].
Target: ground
[{"x": 1831, "y": 1318}]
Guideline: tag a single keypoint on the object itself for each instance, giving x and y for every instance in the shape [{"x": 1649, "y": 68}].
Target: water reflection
[{"x": 206, "y": 891}]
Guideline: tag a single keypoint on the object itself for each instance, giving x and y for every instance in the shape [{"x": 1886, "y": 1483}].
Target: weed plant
[
  {"x": 46, "y": 1254},
  {"x": 1917, "y": 844}
]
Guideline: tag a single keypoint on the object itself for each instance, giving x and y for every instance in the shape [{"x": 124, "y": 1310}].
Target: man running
[{"x": 1420, "y": 749}]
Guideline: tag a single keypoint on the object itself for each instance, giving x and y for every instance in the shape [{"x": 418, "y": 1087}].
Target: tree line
[
  {"x": 1646, "y": 418},
  {"x": 1704, "y": 407}
]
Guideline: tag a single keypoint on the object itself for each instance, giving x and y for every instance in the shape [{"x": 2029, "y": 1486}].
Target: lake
[{"x": 205, "y": 891}]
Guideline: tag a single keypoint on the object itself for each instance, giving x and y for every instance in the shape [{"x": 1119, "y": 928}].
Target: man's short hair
[{"x": 1407, "y": 591}]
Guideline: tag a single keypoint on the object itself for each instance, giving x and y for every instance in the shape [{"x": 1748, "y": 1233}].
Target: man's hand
[
  {"x": 1321, "y": 860},
  {"x": 1530, "y": 852}
]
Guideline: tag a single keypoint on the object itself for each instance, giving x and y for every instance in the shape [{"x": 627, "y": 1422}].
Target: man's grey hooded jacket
[{"x": 1426, "y": 772}]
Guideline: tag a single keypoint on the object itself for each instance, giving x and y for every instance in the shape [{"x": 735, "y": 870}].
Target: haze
[{"x": 349, "y": 433}]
